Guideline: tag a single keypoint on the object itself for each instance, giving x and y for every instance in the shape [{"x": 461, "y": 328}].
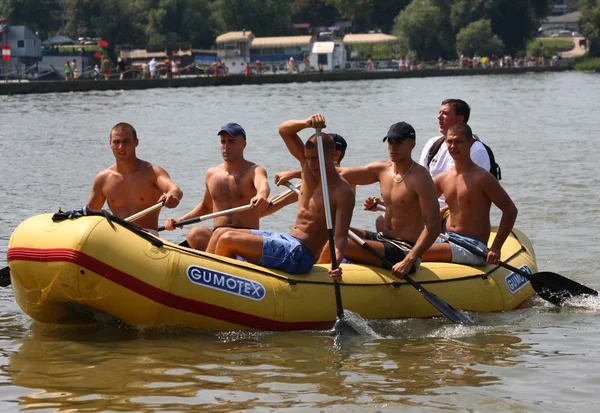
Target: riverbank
[{"x": 234, "y": 80}]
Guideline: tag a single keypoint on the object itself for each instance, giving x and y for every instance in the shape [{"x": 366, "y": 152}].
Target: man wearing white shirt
[{"x": 452, "y": 111}]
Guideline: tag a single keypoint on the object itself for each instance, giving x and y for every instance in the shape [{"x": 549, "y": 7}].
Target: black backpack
[{"x": 494, "y": 167}]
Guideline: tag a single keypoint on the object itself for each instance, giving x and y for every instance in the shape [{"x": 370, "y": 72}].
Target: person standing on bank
[
  {"x": 235, "y": 182},
  {"x": 131, "y": 184}
]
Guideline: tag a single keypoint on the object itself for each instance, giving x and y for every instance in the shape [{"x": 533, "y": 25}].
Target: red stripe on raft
[{"x": 156, "y": 294}]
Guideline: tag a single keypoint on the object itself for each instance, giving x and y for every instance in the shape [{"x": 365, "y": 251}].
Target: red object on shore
[
  {"x": 102, "y": 43},
  {"x": 98, "y": 55},
  {"x": 5, "y": 52}
]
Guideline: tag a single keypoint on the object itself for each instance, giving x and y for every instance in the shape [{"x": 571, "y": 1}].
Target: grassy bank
[
  {"x": 549, "y": 47},
  {"x": 587, "y": 63}
]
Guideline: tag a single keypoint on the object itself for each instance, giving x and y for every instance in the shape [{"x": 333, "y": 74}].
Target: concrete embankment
[{"x": 88, "y": 85}]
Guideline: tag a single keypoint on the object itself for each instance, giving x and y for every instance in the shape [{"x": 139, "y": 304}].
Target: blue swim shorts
[
  {"x": 284, "y": 252},
  {"x": 461, "y": 255}
]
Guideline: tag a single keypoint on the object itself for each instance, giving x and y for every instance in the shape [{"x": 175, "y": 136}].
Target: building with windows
[
  {"x": 233, "y": 49},
  {"x": 276, "y": 51},
  {"x": 25, "y": 50}
]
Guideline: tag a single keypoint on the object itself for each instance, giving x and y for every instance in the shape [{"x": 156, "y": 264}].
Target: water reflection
[{"x": 130, "y": 370}]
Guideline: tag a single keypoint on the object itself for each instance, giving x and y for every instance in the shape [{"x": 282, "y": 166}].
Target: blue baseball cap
[{"x": 233, "y": 129}]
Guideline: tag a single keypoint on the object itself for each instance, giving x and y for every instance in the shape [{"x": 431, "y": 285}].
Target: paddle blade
[
  {"x": 557, "y": 289},
  {"x": 342, "y": 327},
  {"x": 5, "y": 277},
  {"x": 446, "y": 309}
]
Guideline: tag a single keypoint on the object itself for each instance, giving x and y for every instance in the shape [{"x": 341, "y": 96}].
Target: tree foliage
[
  {"x": 42, "y": 16},
  {"x": 262, "y": 17},
  {"x": 478, "y": 39},
  {"x": 423, "y": 28},
  {"x": 426, "y": 28},
  {"x": 315, "y": 12},
  {"x": 514, "y": 21},
  {"x": 590, "y": 24}
]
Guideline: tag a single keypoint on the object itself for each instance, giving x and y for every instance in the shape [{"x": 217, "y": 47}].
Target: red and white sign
[{"x": 5, "y": 52}]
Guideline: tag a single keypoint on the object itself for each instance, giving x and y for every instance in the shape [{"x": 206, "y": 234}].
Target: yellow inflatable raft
[{"x": 95, "y": 269}]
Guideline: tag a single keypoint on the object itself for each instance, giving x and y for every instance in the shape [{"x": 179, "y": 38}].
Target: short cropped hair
[
  {"x": 124, "y": 127},
  {"x": 461, "y": 129},
  {"x": 461, "y": 108},
  {"x": 328, "y": 143}
]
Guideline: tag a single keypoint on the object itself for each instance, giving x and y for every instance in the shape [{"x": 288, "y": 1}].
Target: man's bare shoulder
[
  {"x": 106, "y": 173},
  {"x": 254, "y": 167},
  {"x": 379, "y": 165},
  {"x": 214, "y": 170},
  {"x": 420, "y": 171},
  {"x": 344, "y": 191}
]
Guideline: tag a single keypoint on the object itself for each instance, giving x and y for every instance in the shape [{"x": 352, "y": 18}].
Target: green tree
[
  {"x": 478, "y": 38},
  {"x": 514, "y": 21},
  {"x": 262, "y": 17},
  {"x": 423, "y": 29},
  {"x": 112, "y": 20},
  {"x": 384, "y": 12},
  {"x": 315, "y": 12},
  {"x": 590, "y": 24},
  {"x": 42, "y": 16},
  {"x": 357, "y": 11}
]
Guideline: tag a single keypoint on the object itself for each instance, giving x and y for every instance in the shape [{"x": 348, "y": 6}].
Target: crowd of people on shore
[
  {"x": 170, "y": 69},
  {"x": 449, "y": 190}
]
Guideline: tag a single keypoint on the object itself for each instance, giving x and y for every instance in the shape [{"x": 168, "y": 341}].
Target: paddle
[
  {"x": 287, "y": 193},
  {"x": 208, "y": 216},
  {"x": 145, "y": 212},
  {"x": 442, "y": 306},
  {"x": 227, "y": 211},
  {"x": 5, "y": 272},
  {"x": 550, "y": 286},
  {"x": 341, "y": 326}
]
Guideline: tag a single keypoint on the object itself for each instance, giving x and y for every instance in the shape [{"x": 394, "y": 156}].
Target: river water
[{"x": 542, "y": 128}]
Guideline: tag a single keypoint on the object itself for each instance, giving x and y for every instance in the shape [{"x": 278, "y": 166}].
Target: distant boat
[{"x": 598, "y": 69}]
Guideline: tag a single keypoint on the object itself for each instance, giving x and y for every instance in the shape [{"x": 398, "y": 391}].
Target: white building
[
  {"x": 331, "y": 55},
  {"x": 233, "y": 49}
]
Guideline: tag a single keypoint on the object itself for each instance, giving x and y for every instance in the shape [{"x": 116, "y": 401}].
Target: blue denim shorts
[{"x": 284, "y": 252}]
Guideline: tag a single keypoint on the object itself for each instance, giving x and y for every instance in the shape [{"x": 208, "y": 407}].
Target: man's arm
[
  {"x": 97, "y": 198},
  {"x": 288, "y": 131},
  {"x": 429, "y": 205},
  {"x": 172, "y": 194},
  {"x": 272, "y": 208},
  {"x": 203, "y": 208},
  {"x": 502, "y": 200},
  {"x": 263, "y": 190},
  {"x": 283, "y": 177},
  {"x": 362, "y": 175},
  {"x": 343, "y": 216}
]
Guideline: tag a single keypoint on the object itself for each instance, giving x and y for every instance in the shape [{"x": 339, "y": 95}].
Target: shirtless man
[
  {"x": 131, "y": 184},
  {"x": 412, "y": 220},
  {"x": 469, "y": 191},
  {"x": 452, "y": 111},
  {"x": 233, "y": 183},
  {"x": 282, "y": 177},
  {"x": 295, "y": 253}
]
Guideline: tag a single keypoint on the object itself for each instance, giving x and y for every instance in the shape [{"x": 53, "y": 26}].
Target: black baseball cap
[
  {"x": 340, "y": 142},
  {"x": 233, "y": 129},
  {"x": 400, "y": 131}
]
